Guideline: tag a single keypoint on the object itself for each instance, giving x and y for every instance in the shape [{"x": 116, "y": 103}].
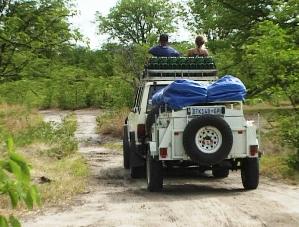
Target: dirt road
[{"x": 197, "y": 200}]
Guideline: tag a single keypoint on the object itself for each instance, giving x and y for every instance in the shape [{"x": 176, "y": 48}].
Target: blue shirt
[{"x": 164, "y": 51}]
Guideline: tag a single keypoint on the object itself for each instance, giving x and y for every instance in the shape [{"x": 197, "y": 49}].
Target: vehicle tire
[
  {"x": 207, "y": 139},
  {"x": 220, "y": 172},
  {"x": 137, "y": 172},
  {"x": 126, "y": 149},
  {"x": 250, "y": 173},
  {"x": 154, "y": 174}
]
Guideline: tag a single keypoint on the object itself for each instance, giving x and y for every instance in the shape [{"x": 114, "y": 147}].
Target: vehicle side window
[
  {"x": 153, "y": 89},
  {"x": 136, "y": 97},
  {"x": 139, "y": 99}
]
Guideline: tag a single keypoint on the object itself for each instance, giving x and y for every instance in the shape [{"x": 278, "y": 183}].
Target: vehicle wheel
[
  {"x": 154, "y": 174},
  {"x": 250, "y": 173},
  {"x": 220, "y": 172},
  {"x": 126, "y": 149},
  {"x": 137, "y": 172},
  {"x": 208, "y": 139}
]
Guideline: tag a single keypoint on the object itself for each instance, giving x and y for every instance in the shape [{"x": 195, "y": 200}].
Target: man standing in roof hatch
[{"x": 163, "y": 49}]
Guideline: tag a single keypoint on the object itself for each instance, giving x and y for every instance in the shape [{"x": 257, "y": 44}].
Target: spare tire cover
[{"x": 208, "y": 139}]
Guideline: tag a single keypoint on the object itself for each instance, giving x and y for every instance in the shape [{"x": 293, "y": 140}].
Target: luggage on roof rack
[
  {"x": 171, "y": 68},
  {"x": 180, "y": 63}
]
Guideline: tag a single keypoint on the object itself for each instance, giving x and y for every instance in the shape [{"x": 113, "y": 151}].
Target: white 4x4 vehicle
[{"x": 211, "y": 136}]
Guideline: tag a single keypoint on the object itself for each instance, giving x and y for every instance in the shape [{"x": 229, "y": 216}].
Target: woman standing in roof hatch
[{"x": 199, "y": 51}]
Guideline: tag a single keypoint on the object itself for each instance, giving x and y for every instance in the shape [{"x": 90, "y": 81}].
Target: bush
[
  {"x": 289, "y": 131},
  {"x": 27, "y": 127},
  {"x": 68, "y": 92},
  {"x": 60, "y": 137},
  {"x": 112, "y": 122}
]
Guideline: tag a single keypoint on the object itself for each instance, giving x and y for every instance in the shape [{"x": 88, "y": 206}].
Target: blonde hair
[{"x": 199, "y": 41}]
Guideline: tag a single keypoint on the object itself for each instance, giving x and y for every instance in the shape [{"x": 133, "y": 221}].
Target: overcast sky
[{"x": 86, "y": 17}]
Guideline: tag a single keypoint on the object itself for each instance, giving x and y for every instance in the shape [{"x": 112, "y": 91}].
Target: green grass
[
  {"x": 27, "y": 127},
  {"x": 111, "y": 122},
  {"x": 115, "y": 146},
  {"x": 276, "y": 166},
  {"x": 66, "y": 91},
  {"x": 278, "y": 155},
  {"x": 68, "y": 177},
  {"x": 50, "y": 150}
]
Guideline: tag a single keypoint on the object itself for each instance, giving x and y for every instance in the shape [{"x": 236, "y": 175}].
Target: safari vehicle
[{"x": 210, "y": 136}]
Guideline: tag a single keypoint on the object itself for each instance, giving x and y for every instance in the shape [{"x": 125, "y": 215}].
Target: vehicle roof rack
[
  {"x": 152, "y": 75},
  {"x": 174, "y": 68}
]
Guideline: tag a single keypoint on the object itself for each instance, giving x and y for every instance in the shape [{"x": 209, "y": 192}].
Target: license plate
[{"x": 205, "y": 110}]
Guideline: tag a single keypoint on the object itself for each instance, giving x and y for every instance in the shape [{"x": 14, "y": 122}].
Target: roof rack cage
[
  {"x": 173, "y": 68},
  {"x": 179, "y": 74}
]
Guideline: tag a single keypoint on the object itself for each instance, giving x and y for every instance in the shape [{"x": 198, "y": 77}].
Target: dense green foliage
[
  {"x": 31, "y": 32},
  {"x": 289, "y": 131},
  {"x": 255, "y": 40},
  {"x": 138, "y": 21},
  {"x": 40, "y": 66},
  {"x": 15, "y": 182}
]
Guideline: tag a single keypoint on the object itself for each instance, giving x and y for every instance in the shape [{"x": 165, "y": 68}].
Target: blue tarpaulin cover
[
  {"x": 227, "y": 88},
  {"x": 183, "y": 93}
]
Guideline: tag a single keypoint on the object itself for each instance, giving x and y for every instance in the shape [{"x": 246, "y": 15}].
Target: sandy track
[{"x": 188, "y": 199}]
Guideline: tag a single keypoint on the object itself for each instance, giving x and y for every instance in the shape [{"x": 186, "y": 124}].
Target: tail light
[
  {"x": 141, "y": 132},
  {"x": 253, "y": 149},
  {"x": 163, "y": 152}
]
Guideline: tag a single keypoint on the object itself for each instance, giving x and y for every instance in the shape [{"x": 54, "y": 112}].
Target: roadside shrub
[
  {"x": 49, "y": 148},
  {"x": 68, "y": 92},
  {"x": 15, "y": 120},
  {"x": 27, "y": 127},
  {"x": 111, "y": 122},
  {"x": 59, "y": 136},
  {"x": 289, "y": 131}
]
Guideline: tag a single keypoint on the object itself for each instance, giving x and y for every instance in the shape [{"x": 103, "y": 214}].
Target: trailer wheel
[
  {"x": 207, "y": 139},
  {"x": 154, "y": 174},
  {"x": 250, "y": 173},
  {"x": 126, "y": 149}
]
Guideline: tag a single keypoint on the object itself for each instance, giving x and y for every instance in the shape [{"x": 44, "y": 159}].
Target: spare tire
[{"x": 207, "y": 139}]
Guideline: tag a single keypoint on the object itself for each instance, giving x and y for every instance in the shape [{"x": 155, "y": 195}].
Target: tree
[
  {"x": 233, "y": 20},
  {"x": 270, "y": 62},
  {"x": 137, "y": 21},
  {"x": 31, "y": 30},
  {"x": 255, "y": 40},
  {"x": 222, "y": 19}
]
